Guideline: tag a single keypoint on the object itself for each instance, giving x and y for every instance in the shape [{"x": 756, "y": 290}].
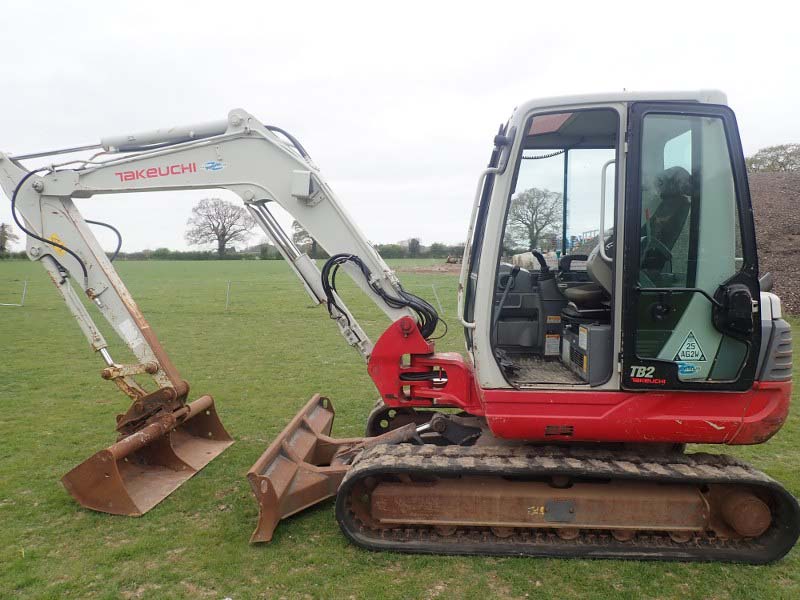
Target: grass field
[{"x": 261, "y": 360}]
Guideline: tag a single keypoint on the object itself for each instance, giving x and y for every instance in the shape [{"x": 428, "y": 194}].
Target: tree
[
  {"x": 533, "y": 214},
  {"x": 775, "y": 159},
  {"x": 215, "y": 221},
  {"x": 413, "y": 247},
  {"x": 303, "y": 239},
  {"x": 391, "y": 251},
  {"x": 268, "y": 252},
  {"x": 437, "y": 250},
  {"x": 7, "y": 236}
]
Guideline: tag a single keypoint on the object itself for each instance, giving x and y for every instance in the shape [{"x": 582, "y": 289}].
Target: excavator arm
[
  {"x": 264, "y": 166},
  {"x": 240, "y": 155}
]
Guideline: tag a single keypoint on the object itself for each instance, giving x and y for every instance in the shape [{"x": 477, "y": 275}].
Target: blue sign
[
  {"x": 214, "y": 165},
  {"x": 685, "y": 368}
]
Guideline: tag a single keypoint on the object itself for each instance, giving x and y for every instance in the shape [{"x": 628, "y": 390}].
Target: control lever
[{"x": 512, "y": 277}]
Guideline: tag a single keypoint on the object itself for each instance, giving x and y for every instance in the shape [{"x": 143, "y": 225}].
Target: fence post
[
  {"x": 439, "y": 302},
  {"x": 24, "y": 293}
]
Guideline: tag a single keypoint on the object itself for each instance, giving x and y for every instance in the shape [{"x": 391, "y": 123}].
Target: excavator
[{"x": 639, "y": 324}]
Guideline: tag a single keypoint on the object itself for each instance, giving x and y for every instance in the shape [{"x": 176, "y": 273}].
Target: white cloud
[{"x": 397, "y": 103}]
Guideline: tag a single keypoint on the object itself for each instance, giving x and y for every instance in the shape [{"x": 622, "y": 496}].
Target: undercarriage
[{"x": 436, "y": 483}]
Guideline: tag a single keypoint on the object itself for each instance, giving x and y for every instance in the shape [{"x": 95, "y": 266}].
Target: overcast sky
[{"x": 396, "y": 102}]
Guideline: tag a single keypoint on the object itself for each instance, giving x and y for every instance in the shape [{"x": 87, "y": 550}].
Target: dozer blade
[
  {"x": 304, "y": 466},
  {"x": 133, "y": 475}
]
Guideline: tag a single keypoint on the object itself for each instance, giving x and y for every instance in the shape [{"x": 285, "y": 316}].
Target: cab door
[{"x": 690, "y": 309}]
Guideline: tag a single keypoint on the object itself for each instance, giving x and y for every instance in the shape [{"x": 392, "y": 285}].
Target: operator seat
[
  {"x": 674, "y": 187},
  {"x": 591, "y": 295},
  {"x": 664, "y": 227}
]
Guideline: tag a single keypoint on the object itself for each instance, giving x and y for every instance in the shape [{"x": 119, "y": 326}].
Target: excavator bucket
[
  {"x": 133, "y": 475},
  {"x": 304, "y": 466},
  {"x": 298, "y": 469}
]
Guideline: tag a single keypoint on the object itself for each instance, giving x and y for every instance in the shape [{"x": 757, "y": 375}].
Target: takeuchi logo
[
  {"x": 154, "y": 172},
  {"x": 214, "y": 165}
]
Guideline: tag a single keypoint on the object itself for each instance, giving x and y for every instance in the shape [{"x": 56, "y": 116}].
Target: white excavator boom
[
  {"x": 239, "y": 154},
  {"x": 163, "y": 439}
]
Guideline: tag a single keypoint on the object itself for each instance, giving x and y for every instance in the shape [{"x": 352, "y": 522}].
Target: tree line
[
  {"x": 775, "y": 159},
  {"x": 266, "y": 251},
  {"x": 222, "y": 224}
]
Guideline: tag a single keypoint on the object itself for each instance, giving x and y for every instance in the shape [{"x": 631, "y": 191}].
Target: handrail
[
  {"x": 678, "y": 290},
  {"x": 462, "y": 279},
  {"x": 603, "y": 254}
]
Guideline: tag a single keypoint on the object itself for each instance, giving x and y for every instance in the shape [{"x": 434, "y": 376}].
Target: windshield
[{"x": 555, "y": 204}]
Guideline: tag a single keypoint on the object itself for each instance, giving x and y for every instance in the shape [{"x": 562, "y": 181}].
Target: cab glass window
[{"x": 690, "y": 238}]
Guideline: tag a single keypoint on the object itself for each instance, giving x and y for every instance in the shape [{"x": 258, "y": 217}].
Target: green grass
[{"x": 261, "y": 360}]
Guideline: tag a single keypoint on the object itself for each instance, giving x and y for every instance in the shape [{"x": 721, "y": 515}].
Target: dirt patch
[
  {"x": 442, "y": 268},
  {"x": 140, "y": 592},
  {"x": 501, "y": 589},
  {"x": 776, "y": 206},
  {"x": 197, "y": 591},
  {"x": 436, "y": 590}
]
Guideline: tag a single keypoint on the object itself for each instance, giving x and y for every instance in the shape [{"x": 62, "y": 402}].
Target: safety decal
[
  {"x": 54, "y": 238},
  {"x": 552, "y": 344},
  {"x": 690, "y": 350},
  {"x": 686, "y": 368},
  {"x": 583, "y": 338}
]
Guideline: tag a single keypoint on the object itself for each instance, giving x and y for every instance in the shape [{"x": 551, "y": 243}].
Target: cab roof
[{"x": 702, "y": 96}]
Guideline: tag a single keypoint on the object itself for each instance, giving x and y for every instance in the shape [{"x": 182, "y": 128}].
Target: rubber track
[{"x": 449, "y": 461}]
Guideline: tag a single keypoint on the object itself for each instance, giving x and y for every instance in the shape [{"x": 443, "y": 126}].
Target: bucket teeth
[{"x": 137, "y": 472}]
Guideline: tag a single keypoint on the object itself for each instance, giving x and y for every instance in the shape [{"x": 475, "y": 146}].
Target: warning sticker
[
  {"x": 553, "y": 319},
  {"x": 552, "y": 344},
  {"x": 690, "y": 350},
  {"x": 54, "y": 238},
  {"x": 583, "y": 337}
]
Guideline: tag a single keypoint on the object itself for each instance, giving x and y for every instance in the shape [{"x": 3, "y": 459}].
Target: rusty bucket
[
  {"x": 298, "y": 469},
  {"x": 133, "y": 475},
  {"x": 305, "y": 466}
]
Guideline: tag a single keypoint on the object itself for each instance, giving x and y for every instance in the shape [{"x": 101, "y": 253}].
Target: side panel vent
[
  {"x": 563, "y": 430},
  {"x": 778, "y": 359}
]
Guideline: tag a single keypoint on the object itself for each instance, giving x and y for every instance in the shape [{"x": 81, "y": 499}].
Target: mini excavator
[{"x": 612, "y": 311}]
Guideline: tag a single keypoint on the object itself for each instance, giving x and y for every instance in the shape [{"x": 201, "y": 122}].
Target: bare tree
[
  {"x": 533, "y": 214},
  {"x": 776, "y": 158},
  {"x": 215, "y": 221},
  {"x": 7, "y": 236},
  {"x": 303, "y": 239}
]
